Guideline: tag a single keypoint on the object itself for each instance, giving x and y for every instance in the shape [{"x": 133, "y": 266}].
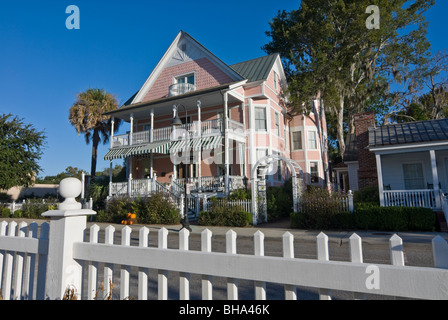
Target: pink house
[{"x": 232, "y": 115}]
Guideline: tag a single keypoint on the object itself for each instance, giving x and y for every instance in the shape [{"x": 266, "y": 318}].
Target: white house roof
[{"x": 409, "y": 133}]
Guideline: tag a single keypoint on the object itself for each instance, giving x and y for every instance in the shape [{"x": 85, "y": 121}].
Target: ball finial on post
[{"x": 70, "y": 188}]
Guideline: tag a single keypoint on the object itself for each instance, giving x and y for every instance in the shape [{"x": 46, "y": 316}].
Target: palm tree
[{"x": 87, "y": 116}]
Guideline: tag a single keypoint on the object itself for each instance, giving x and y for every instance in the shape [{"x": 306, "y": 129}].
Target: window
[
  {"x": 260, "y": 119},
  {"x": 261, "y": 153},
  {"x": 297, "y": 140},
  {"x": 314, "y": 172},
  {"x": 189, "y": 78},
  {"x": 312, "y": 140},
  {"x": 277, "y": 123},
  {"x": 413, "y": 176}
]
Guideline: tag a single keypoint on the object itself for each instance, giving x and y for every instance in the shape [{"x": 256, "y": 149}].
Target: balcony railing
[
  {"x": 180, "y": 88},
  {"x": 207, "y": 128}
]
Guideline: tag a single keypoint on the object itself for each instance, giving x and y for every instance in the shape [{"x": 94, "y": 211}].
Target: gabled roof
[
  {"x": 175, "y": 55},
  {"x": 411, "y": 132},
  {"x": 256, "y": 69}
]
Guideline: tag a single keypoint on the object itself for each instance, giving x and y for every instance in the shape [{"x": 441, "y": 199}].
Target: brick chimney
[{"x": 367, "y": 174}]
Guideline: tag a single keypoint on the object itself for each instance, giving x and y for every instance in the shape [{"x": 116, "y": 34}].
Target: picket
[
  {"x": 143, "y": 272},
  {"x": 206, "y": 246},
  {"x": 184, "y": 278}
]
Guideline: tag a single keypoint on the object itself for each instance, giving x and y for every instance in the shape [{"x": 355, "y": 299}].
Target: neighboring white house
[{"x": 412, "y": 162}]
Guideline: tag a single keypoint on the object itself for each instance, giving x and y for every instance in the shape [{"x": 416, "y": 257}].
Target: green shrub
[
  {"x": 6, "y": 212},
  {"x": 33, "y": 208},
  {"x": 395, "y": 218},
  {"x": 279, "y": 201},
  {"x": 221, "y": 214},
  {"x": 367, "y": 195},
  {"x": 17, "y": 214},
  {"x": 157, "y": 209},
  {"x": 240, "y": 194},
  {"x": 320, "y": 209}
]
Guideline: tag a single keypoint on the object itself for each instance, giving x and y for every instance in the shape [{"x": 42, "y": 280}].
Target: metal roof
[
  {"x": 256, "y": 69},
  {"x": 411, "y": 132}
]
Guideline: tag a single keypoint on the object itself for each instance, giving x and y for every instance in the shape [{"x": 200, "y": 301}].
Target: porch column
[
  {"x": 435, "y": 178},
  {"x": 110, "y": 179},
  {"x": 226, "y": 142},
  {"x": 151, "y": 138},
  {"x": 199, "y": 157},
  {"x": 132, "y": 129},
  {"x": 380, "y": 178},
  {"x": 112, "y": 129}
]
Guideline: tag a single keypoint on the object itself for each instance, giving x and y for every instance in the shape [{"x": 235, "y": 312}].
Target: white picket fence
[
  {"x": 24, "y": 258},
  {"x": 45, "y": 266}
]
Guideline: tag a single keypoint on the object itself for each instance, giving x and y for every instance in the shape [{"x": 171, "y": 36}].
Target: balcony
[
  {"x": 207, "y": 128},
  {"x": 180, "y": 88}
]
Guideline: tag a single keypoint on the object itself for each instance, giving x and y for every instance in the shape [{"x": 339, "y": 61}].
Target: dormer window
[{"x": 183, "y": 84}]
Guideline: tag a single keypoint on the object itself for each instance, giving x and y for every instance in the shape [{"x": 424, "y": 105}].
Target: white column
[
  {"x": 435, "y": 178},
  {"x": 151, "y": 138},
  {"x": 110, "y": 179},
  {"x": 112, "y": 129},
  {"x": 199, "y": 158},
  {"x": 67, "y": 227},
  {"x": 132, "y": 129},
  {"x": 226, "y": 141},
  {"x": 252, "y": 149},
  {"x": 380, "y": 178}
]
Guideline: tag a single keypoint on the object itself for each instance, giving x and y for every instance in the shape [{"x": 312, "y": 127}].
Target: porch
[{"x": 413, "y": 178}]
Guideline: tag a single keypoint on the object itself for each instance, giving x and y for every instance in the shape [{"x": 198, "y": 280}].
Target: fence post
[
  {"x": 351, "y": 206},
  {"x": 67, "y": 225}
]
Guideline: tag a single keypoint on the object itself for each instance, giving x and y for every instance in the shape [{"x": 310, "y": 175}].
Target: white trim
[{"x": 410, "y": 147}]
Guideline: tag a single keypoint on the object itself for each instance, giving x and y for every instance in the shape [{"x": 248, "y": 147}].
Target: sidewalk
[{"x": 276, "y": 231}]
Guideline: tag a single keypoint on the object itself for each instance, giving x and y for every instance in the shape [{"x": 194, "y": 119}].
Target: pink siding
[{"x": 207, "y": 75}]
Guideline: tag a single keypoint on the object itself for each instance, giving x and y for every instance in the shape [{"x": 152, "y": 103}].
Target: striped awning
[
  {"x": 180, "y": 146},
  {"x": 197, "y": 144},
  {"x": 162, "y": 147},
  {"x": 207, "y": 143},
  {"x": 120, "y": 153}
]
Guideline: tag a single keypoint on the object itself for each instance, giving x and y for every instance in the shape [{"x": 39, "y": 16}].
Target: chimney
[{"x": 367, "y": 174}]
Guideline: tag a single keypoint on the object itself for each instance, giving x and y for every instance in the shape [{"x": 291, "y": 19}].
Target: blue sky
[{"x": 43, "y": 65}]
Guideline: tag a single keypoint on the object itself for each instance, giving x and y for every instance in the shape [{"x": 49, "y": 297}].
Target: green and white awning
[
  {"x": 166, "y": 147},
  {"x": 207, "y": 143},
  {"x": 161, "y": 147},
  {"x": 197, "y": 144}
]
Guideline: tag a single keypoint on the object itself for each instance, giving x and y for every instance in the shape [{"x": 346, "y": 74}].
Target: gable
[{"x": 185, "y": 56}]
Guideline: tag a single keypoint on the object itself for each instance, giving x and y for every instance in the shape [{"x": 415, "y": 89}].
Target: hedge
[
  {"x": 220, "y": 214},
  {"x": 157, "y": 209},
  {"x": 373, "y": 218}
]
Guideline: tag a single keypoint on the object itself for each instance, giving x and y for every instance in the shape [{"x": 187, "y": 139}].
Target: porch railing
[
  {"x": 410, "y": 198},
  {"x": 195, "y": 129}
]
